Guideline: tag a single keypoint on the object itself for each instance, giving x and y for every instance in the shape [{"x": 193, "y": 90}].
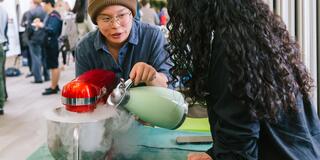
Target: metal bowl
[{"x": 80, "y": 138}]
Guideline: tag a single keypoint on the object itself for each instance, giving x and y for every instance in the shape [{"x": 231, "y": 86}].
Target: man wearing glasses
[{"x": 122, "y": 44}]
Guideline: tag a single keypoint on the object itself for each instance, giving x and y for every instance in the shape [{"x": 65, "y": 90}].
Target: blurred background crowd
[{"x": 22, "y": 36}]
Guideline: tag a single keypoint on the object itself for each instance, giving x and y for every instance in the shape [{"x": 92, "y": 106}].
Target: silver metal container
[{"x": 74, "y": 136}]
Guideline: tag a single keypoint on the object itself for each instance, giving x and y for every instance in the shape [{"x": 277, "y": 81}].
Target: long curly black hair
[{"x": 262, "y": 59}]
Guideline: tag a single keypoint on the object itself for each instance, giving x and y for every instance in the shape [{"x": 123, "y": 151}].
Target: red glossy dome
[{"x": 86, "y": 91}]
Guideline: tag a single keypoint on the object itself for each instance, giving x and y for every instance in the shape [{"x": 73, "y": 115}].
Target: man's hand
[
  {"x": 198, "y": 156},
  {"x": 143, "y": 72},
  {"x": 37, "y": 23}
]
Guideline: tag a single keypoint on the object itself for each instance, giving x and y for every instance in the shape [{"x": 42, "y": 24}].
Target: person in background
[
  {"x": 75, "y": 25},
  {"x": 68, "y": 37},
  {"x": 24, "y": 41},
  {"x": 35, "y": 43},
  {"x": 163, "y": 14},
  {"x": 138, "y": 14},
  {"x": 148, "y": 14},
  {"x": 245, "y": 66},
  {"x": 52, "y": 25},
  {"x": 62, "y": 7},
  {"x": 82, "y": 20},
  {"x": 3, "y": 41},
  {"x": 123, "y": 45}
]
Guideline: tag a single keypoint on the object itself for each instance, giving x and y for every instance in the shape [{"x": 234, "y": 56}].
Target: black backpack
[{"x": 12, "y": 72}]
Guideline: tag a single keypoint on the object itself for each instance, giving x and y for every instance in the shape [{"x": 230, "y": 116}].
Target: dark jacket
[
  {"x": 53, "y": 27},
  {"x": 32, "y": 33},
  {"x": 237, "y": 136}
]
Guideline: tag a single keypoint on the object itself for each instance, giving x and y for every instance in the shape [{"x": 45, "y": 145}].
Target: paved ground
[{"x": 23, "y": 127}]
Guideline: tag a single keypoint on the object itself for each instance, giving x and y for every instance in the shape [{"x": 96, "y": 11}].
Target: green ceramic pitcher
[{"x": 159, "y": 106}]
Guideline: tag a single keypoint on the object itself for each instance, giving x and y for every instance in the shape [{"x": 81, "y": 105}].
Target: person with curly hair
[{"x": 238, "y": 58}]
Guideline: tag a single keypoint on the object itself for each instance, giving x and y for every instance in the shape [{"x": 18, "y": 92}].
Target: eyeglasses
[{"x": 121, "y": 19}]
